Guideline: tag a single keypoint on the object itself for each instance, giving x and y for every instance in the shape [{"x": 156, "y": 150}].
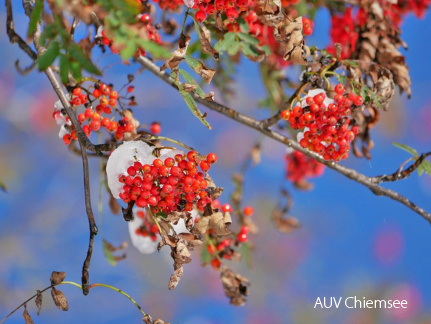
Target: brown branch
[
  {"x": 369, "y": 182},
  {"x": 82, "y": 138},
  {"x": 399, "y": 174}
]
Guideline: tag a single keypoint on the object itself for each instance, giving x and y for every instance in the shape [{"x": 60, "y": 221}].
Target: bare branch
[{"x": 369, "y": 182}]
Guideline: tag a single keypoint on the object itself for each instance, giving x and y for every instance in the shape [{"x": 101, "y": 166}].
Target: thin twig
[
  {"x": 369, "y": 182},
  {"x": 399, "y": 174}
]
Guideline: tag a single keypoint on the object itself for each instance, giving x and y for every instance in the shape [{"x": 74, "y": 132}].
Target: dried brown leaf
[
  {"x": 177, "y": 56},
  {"x": 284, "y": 225},
  {"x": 235, "y": 286},
  {"x": 59, "y": 299},
  {"x": 201, "y": 225},
  {"x": 26, "y": 315},
  {"x": 38, "y": 301},
  {"x": 57, "y": 277},
  {"x": 175, "y": 278},
  {"x": 220, "y": 223}
]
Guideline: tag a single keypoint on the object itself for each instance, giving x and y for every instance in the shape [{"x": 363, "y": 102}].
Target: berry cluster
[
  {"x": 107, "y": 102},
  {"x": 224, "y": 248},
  {"x": 231, "y": 8},
  {"x": 146, "y": 229},
  {"x": 307, "y": 26},
  {"x": 151, "y": 31},
  {"x": 174, "y": 184},
  {"x": 329, "y": 129},
  {"x": 299, "y": 167}
]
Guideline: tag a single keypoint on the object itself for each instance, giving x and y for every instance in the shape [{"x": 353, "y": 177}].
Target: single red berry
[
  {"x": 204, "y": 165},
  {"x": 96, "y": 93},
  {"x": 77, "y": 91},
  {"x": 95, "y": 125},
  {"x": 226, "y": 208},
  {"x": 67, "y": 138},
  {"x": 211, "y": 158},
  {"x": 339, "y": 88},
  {"x": 248, "y": 211},
  {"x": 155, "y": 128},
  {"x": 215, "y": 263},
  {"x": 200, "y": 16},
  {"x": 131, "y": 171},
  {"x": 145, "y": 18},
  {"x": 192, "y": 155},
  {"x": 285, "y": 114},
  {"x": 245, "y": 229},
  {"x": 242, "y": 237}
]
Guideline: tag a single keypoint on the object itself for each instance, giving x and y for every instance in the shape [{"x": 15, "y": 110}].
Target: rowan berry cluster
[
  {"x": 92, "y": 119},
  {"x": 232, "y": 8},
  {"x": 151, "y": 31},
  {"x": 223, "y": 249},
  {"x": 299, "y": 167},
  {"x": 329, "y": 128},
  {"x": 174, "y": 184},
  {"x": 146, "y": 229}
]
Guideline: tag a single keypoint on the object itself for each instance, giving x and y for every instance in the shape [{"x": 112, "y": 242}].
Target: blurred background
[{"x": 351, "y": 242}]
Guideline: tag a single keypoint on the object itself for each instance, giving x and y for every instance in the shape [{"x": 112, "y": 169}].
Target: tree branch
[
  {"x": 369, "y": 182},
  {"x": 82, "y": 138}
]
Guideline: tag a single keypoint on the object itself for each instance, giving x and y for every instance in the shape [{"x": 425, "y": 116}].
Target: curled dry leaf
[
  {"x": 365, "y": 119},
  {"x": 26, "y": 315},
  {"x": 148, "y": 320},
  {"x": 38, "y": 301},
  {"x": 284, "y": 225},
  {"x": 59, "y": 299},
  {"x": 235, "y": 286},
  {"x": 177, "y": 56},
  {"x": 181, "y": 255},
  {"x": 57, "y": 277},
  {"x": 291, "y": 35}
]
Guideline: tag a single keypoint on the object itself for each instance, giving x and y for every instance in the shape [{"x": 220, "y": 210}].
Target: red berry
[
  {"x": 67, "y": 138},
  {"x": 200, "y": 16},
  {"x": 215, "y": 263},
  {"x": 248, "y": 211},
  {"x": 211, "y": 158},
  {"x": 155, "y": 128},
  {"x": 285, "y": 114},
  {"x": 242, "y": 237},
  {"x": 145, "y": 18},
  {"x": 204, "y": 166},
  {"x": 131, "y": 171},
  {"x": 226, "y": 208}
]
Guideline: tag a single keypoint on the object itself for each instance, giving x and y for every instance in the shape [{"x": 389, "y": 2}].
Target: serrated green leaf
[
  {"x": 205, "y": 255},
  {"x": 64, "y": 68},
  {"x": 108, "y": 254},
  {"x": 243, "y": 26},
  {"x": 77, "y": 53},
  {"x": 191, "y": 103},
  {"x": 189, "y": 79},
  {"x": 248, "y": 39},
  {"x": 226, "y": 42},
  {"x": 426, "y": 166},
  {"x": 75, "y": 69},
  {"x": 407, "y": 148},
  {"x": 234, "y": 48},
  {"x": 129, "y": 50},
  {"x": 35, "y": 17},
  {"x": 45, "y": 61},
  {"x": 200, "y": 68},
  {"x": 154, "y": 49}
]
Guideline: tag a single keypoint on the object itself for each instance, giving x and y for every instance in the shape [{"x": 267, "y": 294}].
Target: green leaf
[
  {"x": 407, "y": 148},
  {"x": 75, "y": 69},
  {"x": 425, "y": 167},
  {"x": 227, "y": 41},
  {"x": 155, "y": 49},
  {"x": 64, "y": 68},
  {"x": 129, "y": 50},
  {"x": 243, "y": 26},
  {"x": 189, "y": 79},
  {"x": 77, "y": 53},
  {"x": 108, "y": 254},
  {"x": 249, "y": 50},
  {"x": 3, "y": 186},
  {"x": 45, "y": 61},
  {"x": 234, "y": 48},
  {"x": 205, "y": 255},
  {"x": 248, "y": 39},
  {"x": 191, "y": 103},
  {"x": 35, "y": 17}
]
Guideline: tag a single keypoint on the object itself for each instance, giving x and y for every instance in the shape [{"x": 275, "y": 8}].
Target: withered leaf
[
  {"x": 38, "y": 301},
  {"x": 220, "y": 222},
  {"x": 148, "y": 320},
  {"x": 59, "y": 299},
  {"x": 204, "y": 36},
  {"x": 177, "y": 56},
  {"x": 201, "y": 225},
  {"x": 57, "y": 277},
  {"x": 189, "y": 87},
  {"x": 235, "y": 286},
  {"x": 284, "y": 225},
  {"x": 175, "y": 278},
  {"x": 26, "y": 315},
  {"x": 200, "y": 68},
  {"x": 295, "y": 49}
]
